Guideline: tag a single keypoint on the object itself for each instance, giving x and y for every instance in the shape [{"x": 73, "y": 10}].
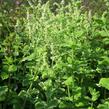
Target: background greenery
[{"x": 54, "y": 56}]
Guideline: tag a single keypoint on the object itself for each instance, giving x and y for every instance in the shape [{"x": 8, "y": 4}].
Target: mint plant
[{"x": 54, "y": 60}]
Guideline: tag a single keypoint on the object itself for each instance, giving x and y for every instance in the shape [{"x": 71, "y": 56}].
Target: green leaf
[
  {"x": 66, "y": 105},
  {"x": 9, "y": 60},
  {"x": 69, "y": 60},
  {"x": 95, "y": 94},
  {"x": 28, "y": 58},
  {"x": 3, "y": 92},
  {"x": 47, "y": 84},
  {"x": 105, "y": 105},
  {"x": 1, "y": 25},
  {"x": 41, "y": 105},
  {"x": 52, "y": 104},
  {"x": 69, "y": 81},
  {"x": 4, "y": 75},
  {"x": 106, "y": 41},
  {"x": 23, "y": 93},
  {"x": 104, "y": 82},
  {"x": 12, "y": 68},
  {"x": 103, "y": 33}
]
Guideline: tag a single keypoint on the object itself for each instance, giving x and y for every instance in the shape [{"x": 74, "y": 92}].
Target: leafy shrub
[{"x": 54, "y": 61}]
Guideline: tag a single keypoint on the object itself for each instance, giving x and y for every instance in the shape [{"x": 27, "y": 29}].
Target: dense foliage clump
[{"x": 54, "y": 59}]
